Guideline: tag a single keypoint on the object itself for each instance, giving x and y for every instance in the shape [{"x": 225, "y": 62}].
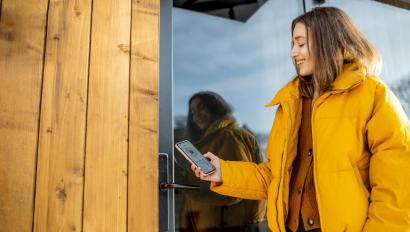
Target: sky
[{"x": 247, "y": 63}]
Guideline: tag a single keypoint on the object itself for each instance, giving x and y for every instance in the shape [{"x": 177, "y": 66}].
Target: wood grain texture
[
  {"x": 0, "y": 8},
  {"x": 143, "y": 153},
  {"x": 105, "y": 199},
  {"x": 22, "y": 32},
  {"x": 59, "y": 193}
]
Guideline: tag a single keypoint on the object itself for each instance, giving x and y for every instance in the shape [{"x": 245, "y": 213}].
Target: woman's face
[
  {"x": 300, "y": 51},
  {"x": 199, "y": 114}
]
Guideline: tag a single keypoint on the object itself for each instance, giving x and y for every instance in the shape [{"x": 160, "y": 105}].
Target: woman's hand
[{"x": 216, "y": 176}]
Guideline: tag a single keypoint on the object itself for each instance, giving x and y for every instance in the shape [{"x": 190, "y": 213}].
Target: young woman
[{"x": 339, "y": 148}]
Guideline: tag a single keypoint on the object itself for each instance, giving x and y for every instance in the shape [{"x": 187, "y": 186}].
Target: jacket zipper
[
  {"x": 284, "y": 153},
  {"x": 315, "y": 152}
]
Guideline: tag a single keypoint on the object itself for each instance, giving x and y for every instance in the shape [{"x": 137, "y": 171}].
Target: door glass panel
[{"x": 245, "y": 64}]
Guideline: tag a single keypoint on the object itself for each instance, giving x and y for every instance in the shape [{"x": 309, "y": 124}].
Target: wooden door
[{"x": 79, "y": 115}]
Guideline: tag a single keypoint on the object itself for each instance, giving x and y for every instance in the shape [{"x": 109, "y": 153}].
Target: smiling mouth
[{"x": 299, "y": 62}]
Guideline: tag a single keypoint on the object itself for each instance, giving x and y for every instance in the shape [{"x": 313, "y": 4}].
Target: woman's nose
[{"x": 293, "y": 52}]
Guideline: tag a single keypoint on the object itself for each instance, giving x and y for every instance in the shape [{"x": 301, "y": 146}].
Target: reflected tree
[{"x": 402, "y": 91}]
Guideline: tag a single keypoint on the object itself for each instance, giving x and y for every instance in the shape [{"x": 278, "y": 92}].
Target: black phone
[{"x": 195, "y": 157}]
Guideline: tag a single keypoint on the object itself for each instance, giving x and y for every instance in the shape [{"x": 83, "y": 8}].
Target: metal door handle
[
  {"x": 166, "y": 198},
  {"x": 166, "y": 186}
]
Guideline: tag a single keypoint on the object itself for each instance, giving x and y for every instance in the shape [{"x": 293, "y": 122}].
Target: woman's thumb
[{"x": 209, "y": 155}]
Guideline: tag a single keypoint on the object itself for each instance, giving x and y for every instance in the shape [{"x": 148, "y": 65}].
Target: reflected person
[{"x": 211, "y": 127}]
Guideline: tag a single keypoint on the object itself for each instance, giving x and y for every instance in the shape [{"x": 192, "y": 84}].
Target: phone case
[{"x": 191, "y": 153}]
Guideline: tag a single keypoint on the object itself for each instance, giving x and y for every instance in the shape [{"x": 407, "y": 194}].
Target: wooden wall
[{"x": 79, "y": 115}]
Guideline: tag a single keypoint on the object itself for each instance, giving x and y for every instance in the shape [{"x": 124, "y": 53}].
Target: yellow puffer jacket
[{"x": 361, "y": 144}]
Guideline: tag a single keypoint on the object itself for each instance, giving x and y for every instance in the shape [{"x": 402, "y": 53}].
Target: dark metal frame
[
  {"x": 405, "y": 4},
  {"x": 166, "y": 121}
]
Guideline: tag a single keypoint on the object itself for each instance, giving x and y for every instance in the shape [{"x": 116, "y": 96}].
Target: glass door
[{"x": 228, "y": 62}]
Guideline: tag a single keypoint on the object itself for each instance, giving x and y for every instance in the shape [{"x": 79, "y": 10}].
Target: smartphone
[{"x": 195, "y": 157}]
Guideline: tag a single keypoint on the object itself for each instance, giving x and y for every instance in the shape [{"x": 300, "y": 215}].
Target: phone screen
[{"x": 194, "y": 156}]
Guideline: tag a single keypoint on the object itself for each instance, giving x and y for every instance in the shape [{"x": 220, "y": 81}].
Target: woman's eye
[{"x": 301, "y": 45}]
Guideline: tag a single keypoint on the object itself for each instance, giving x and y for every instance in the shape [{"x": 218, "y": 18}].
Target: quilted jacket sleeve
[
  {"x": 388, "y": 134},
  {"x": 244, "y": 180}
]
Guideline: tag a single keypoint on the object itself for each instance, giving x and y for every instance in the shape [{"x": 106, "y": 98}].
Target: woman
[
  {"x": 339, "y": 149},
  {"x": 211, "y": 127}
]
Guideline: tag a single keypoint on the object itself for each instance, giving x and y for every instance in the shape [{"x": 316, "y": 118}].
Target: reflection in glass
[{"x": 212, "y": 128}]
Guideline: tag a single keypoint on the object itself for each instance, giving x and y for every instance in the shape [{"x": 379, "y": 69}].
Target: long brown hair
[
  {"x": 335, "y": 41},
  {"x": 214, "y": 104}
]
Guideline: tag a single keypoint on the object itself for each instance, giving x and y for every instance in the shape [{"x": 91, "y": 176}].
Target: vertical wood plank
[
  {"x": 0, "y": 9},
  {"x": 22, "y": 32},
  {"x": 105, "y": 199},
  {"x": 143, "y": 156},
  {"x": 59, "y": 194}
]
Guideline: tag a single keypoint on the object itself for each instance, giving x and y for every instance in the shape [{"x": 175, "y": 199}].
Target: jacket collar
[
  {"x": 225, "y": 121},
  {"x": 351, "y": 76},
  {"x": 290, "y": 91}
]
